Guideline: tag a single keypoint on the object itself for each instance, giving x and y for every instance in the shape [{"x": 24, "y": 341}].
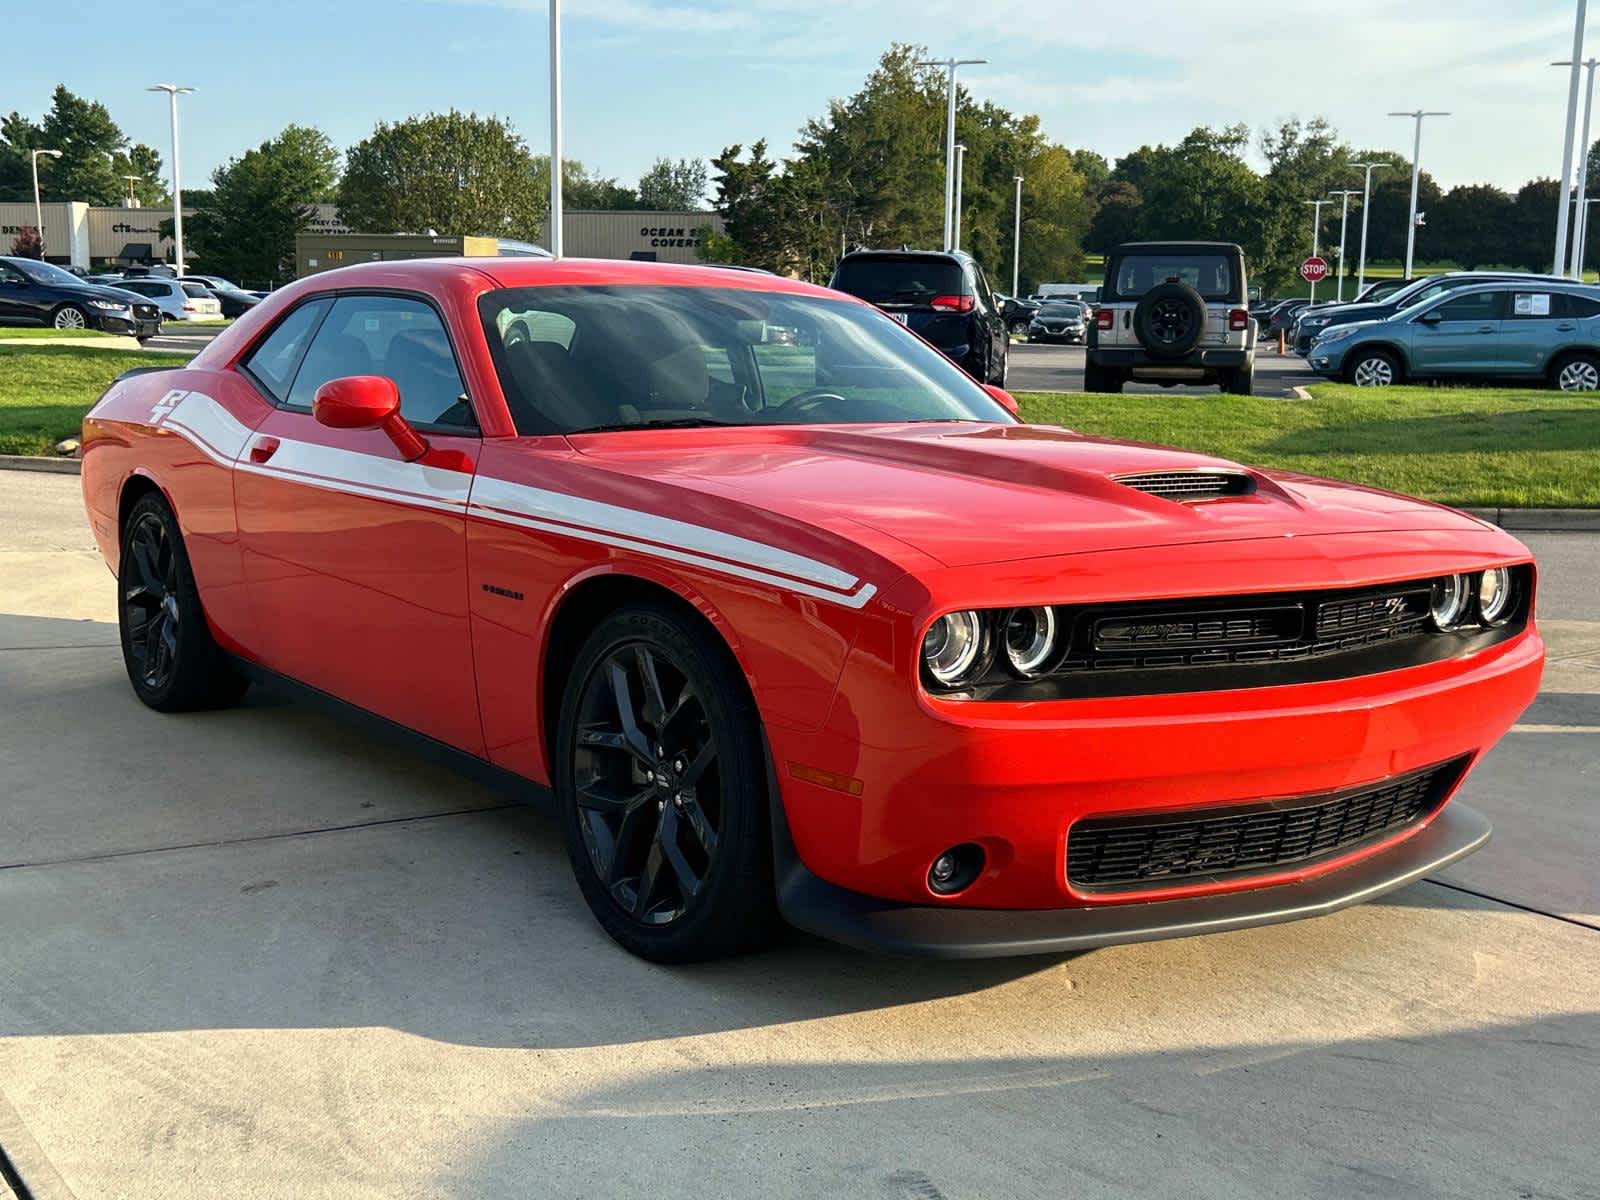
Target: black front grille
[
  {"x": 1173, "y": 849},
  {"x": 1190, "y": 485},
  {"x": 145, "y": 310}
]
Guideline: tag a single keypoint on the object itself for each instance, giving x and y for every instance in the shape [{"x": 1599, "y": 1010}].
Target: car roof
[
  {"x": 894, "y": 252},
  {"x": 1179, "y": 246}
]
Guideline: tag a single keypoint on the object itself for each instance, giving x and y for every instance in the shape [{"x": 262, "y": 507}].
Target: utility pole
[
  {"x": 1316, "y": 231},
  {"x": 1344, "y": 216},
  {"x": 1566, "y": 145},
  {"x": 38, "y": 209},
  {"x": 1016, "y": 239},
  {"x": 1416, "y": 172},
  {"x": 173, "y": 91},
  {"x": 556, "y": 216},
  {"x": 1366, "y": 200},
  {"x": 950, "y": 65},
  {"x": 961, "y": 162},
  {"x": 1580, "y": 211}
]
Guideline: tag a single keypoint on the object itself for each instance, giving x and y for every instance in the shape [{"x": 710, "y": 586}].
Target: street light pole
[
  {"x": 1566, "y": 146},
  {"x": 950, "y": 65},
  {"x": 1366, "y": 198},
  {"x": 1016, "y": 239},
  {"x": 961, "y": 163},
  {"x": 1344, "y": 216},
  {"x": 556, "y": 215},
  {"x": 1416, "y": 172},
  {"x": 38, "y": 209},
  {"x": 1583, "y": 234},
  {"x": 173, "y": 91},
  {"x": 1316, "y": 231},
  {"x": 1580, "y": 213}
]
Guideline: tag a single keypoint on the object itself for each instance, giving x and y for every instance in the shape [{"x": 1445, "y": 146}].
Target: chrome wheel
[
  {"x": 648, "y": 788},
  {"x": 1374, "y": 372},
  {"x": 150, "y": 601},
  {"x": 70, "y": 318},
  {"x": 1579, "y": 375}
]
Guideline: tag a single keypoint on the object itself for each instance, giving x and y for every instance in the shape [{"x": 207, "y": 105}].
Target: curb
[{"x": 34, "y": 462}]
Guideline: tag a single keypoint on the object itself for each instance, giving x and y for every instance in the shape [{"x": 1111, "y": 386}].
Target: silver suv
[{"x": 1173, "y": 313}]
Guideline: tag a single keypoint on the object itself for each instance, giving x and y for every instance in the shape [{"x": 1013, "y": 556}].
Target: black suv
[
  {"x": 37, "y": 293},
  {"x": 1172, "y": 313},
  {"x": 941, "y": 295}
]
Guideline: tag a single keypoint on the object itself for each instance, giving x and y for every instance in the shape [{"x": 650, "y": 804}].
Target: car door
[
  {"x": 1539, "y": 327},
  {"x": 355, "y": 559},
  {"x": 14, "y": 308},
  {"x": 1459, "y": 335}
]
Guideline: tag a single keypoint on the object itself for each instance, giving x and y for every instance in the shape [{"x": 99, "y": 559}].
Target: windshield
[
  {"x": 1056, "y": 308},
  {"x": 43, "y": 272},
  {"x": 574, "y": 359},
  {"x": 899, "y": 280}
]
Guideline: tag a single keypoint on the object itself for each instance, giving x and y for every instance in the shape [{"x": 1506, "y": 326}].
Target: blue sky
[{"x": 687, "y": 77}]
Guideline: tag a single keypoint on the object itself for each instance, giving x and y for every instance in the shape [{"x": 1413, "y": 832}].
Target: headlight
[
  {"x": 1449, "y": 601},
  {"x": 1316, "y": 322},
  {"x": 1335, "y": 334},
  {"x": 954, "y": 647},
  {"x": 112, "y": 305},
  {"x": 1495, "y": 596},
  {"x": 1030, "y": 640}
]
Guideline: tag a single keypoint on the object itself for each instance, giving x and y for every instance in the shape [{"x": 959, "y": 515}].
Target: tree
[
  {"x": 673, "y": 185},
  {"x": 1472, "y": 225},
  {"x": 579, "y": 188},
  {"x": 1116, "y": 216},
  {"x": 453, "y": 172},
  {"x": 95, "y": 155},
  {"x": 27, "y": 243},
  {"x": 1534, "y": 224},
  {"x": 752, "y": 208},
  {"x": 245, "y": 227}
]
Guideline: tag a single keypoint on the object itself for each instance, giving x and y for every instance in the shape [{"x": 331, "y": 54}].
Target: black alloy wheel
[
  {"x": 661, "y": 778},
  {"x": 1169, "y": 320},
  {"x": 150, "y": 612}
]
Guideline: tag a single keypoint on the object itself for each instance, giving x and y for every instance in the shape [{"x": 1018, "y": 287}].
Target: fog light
[{"x": 955, "y": 869}]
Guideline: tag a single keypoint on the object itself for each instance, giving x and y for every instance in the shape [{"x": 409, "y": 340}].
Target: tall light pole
[
  {"x": 1316, "y": 233},
  {"x": 38, "y": 209},
  {"x": 1366, "y": 200},
  {"x": 556, "y": 215},
  {"x": 1416, "y": 172},
  {"x": 950, "y": 65},
  {"x": 1575, "y": 261},
  {"x": 173, "y": 91},
  {"x": 1566, "y": 145},
  {"x": 1344, "y": 216},
  {"x": 1016, "y": 238},
  {"x": 961, "y": 163}
]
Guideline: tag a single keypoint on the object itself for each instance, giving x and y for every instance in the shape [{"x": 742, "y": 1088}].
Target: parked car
[
  {"x": 1281, "y": 318},
  {"x": 37, "y": 293},
  {"x": 1172, "y": 313},
  {"x": 1382, "y": 290},
  {"x": 942, "y": 295},
  {"x": 1310, "y": 323},
  {"x": 1528, "y": 330},
  {"x": 1059, "y": 321},
  {"x": 825, "y": 636},
  {"x": 235, "y": 301},
  {"x": 1017, "y": 311},
  {"x": 178, "y": 301}
]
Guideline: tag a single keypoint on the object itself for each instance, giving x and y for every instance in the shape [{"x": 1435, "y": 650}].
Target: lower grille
[{"x": 1166, "y": 849}]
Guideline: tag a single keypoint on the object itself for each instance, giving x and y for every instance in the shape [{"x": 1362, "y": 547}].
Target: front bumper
[
  {"x": 819, "y": 907},
  {"x": 1069, "y": 334},
  {"x": 136, "y": 326}
]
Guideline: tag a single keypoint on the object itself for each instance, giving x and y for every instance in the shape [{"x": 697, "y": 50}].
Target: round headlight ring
[
  {"x": 953, "y": 647},
  {"x": 1449, "y": 601},
  {"x": 1030, "y": 640},
  {"x": 1496, "y": 598}
]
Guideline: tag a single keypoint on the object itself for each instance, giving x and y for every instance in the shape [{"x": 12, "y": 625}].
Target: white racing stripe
[{"x": 210, "y": 427}]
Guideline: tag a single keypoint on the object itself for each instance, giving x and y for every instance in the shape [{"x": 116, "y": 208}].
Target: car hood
[
  {"x": 98, "y": 291},
  {"x": 964, "y": 493},
  {"x": 1345, "y": 313}
]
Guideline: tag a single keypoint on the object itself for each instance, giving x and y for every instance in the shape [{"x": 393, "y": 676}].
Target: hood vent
[{"x": 1189, "y": 485}]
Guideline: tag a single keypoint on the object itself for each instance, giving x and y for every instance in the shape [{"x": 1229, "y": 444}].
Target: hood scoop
[{"x": 1197, "y": 484}]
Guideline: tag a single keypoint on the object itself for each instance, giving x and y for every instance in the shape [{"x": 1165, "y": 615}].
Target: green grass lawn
[
  {"x": 45, "y": 390},
  {"x": 1479, "y": 447},
  {"x": 32, "y": 332}
]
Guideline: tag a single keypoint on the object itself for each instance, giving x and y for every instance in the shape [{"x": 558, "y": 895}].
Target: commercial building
[
  {"x": 89, "y": 236},
  {"x": 648, "y": 234}
]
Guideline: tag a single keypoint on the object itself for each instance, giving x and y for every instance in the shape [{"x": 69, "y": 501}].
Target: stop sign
[{"x": 1313, "y": 269}]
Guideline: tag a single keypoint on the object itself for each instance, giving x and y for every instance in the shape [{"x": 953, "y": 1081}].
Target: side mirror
[
  {"x": 1006, "y": 399},
  {"x": 367, "y": 402},
  {"x": 1430, "y": 318}
]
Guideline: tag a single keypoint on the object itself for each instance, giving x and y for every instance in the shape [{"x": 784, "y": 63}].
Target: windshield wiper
[{"x": 674, "y": 423}]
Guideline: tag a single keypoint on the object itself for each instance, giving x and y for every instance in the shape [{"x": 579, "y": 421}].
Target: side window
[
  {"x": 1533, "y": 306},
  {"x": 394, "y": 336},
  {"x": 1478, "y": 306},
  {"x": 271, "y": 364},
  {"x": 1580, "y": 307},
  {"x": 985, "y": 294}
]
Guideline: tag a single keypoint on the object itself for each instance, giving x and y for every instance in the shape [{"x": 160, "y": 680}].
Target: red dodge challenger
[{"x": 791, "y": 618}]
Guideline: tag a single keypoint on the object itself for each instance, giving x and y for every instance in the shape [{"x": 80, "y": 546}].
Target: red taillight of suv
[
  {"x": 1102, "y": 318},
  {"x": 187, "y": 307},
  {"x": 1238, "y": 320},
  {"x": 952, "y": 303}
]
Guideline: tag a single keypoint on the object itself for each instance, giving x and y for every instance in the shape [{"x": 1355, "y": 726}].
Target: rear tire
[
  {"x": 661, "y": 783},
  {"x": 1578, "y": 371},
  {"x": 1242, "y": 382},
  {"x": 173, "y": 663},
  {"x": 1373, "y": 368},
  {"x": 1097, "y": 378}
]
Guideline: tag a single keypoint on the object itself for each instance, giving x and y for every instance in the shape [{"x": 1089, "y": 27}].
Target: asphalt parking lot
[
  {"x": 1051, "y": 367},
  {"x": 259, "y": 953}
]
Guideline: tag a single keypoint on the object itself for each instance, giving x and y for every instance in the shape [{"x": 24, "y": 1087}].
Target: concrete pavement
[{"x": 261, "y": 953}]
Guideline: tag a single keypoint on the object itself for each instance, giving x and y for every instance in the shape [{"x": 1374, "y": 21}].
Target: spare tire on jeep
[{"x": 1169, "y": 320}]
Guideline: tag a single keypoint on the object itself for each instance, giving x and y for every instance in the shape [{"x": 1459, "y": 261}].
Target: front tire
[
  {"x": 1373, "y": 368},
  {"x": 662, "y": 789},
  {"x": 173, "y": 663},
  {"x": 70, "y": 316}
]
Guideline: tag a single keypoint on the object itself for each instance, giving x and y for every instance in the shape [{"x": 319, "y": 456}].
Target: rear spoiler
[{"x": 132, "y": 371}]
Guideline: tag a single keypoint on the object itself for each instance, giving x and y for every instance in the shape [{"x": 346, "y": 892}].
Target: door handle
[
  {"x": 263, "y": 448},
  {"x": 1486, "y": 329},
  {"x": 1566, "y": 327}
]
